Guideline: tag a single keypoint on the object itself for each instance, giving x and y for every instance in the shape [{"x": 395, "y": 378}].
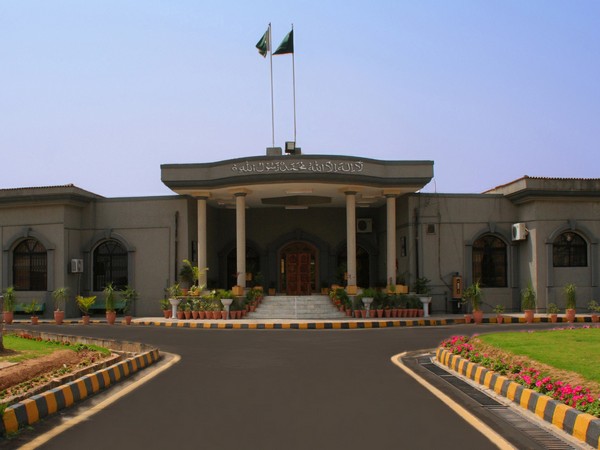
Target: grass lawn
[
  {"x": 575, "y": 350},
  {"x": 23, "y": 349}
]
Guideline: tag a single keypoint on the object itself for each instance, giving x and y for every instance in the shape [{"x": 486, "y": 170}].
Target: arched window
[
  {"x": 489, "y": 261},
  {"x": 30, "y": 266},
  {"x": 110, "y": 265},
  {"x": 569, "y": 250}
]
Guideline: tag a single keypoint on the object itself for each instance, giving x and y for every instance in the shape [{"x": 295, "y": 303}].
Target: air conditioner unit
[
  {"x": 76, "y": 265},
  {"x": 364, "y": 225},
  {"x": 519, "y": 232}
]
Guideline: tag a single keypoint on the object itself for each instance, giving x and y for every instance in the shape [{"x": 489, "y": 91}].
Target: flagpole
[
  {"x": 270, "y": 49},
  {"x": 294, "y": 84}
]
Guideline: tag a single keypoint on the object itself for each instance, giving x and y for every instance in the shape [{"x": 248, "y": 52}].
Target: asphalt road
[{"x": 272, "y": 389}]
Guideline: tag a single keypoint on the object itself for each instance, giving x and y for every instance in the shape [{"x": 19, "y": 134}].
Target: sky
[{"x": 100, "y": 93}]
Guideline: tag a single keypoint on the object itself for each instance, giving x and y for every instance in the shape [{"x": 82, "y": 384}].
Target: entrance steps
[{"x": 296, "y": 307}]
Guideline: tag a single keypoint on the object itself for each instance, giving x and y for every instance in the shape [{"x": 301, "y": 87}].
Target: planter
[
  {"x": 570, "y": 315},
  {"x": 388, "y": 313},
  {"x": 201, "y": 315},
  {"x": 499, "y": 318},
  {"x": 372, "y": 313},
  {"x": 187, "y": 315},
  {"x": 595, "y": 318},
  {"x": 180, "y": 315},
  {"x": 8, "y": 317},
  {"x": 468, "y": 318},
  {"x": 357, "y": 314},
  {"x": 379, "y": 313},
  {"x": 166, "y": 313},
  {"x": 348, "y": 312},
  {"x": 528, "y": 315},
  {"x": 478, "y": 316},
  {"x": 85, "y": 320},
  {"x": 111, "y": 317},
  {"x": 553, "y": 318},
  {"x": 59, "y": 317},
  {"x": 128, "y": 320},
  {"x": 34, "y": 320},
  {"x": 224, "y": 315},
  {"x": 195, "y": 315}
]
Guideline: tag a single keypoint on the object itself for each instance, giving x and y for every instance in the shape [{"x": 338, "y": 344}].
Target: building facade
[{"x": 297, "y": 223}]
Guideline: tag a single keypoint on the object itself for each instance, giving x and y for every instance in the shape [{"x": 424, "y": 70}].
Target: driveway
[{"x": 273, "y": 389}]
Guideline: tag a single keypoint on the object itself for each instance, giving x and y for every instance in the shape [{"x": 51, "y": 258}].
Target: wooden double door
[{"x": 299, "y": 269}]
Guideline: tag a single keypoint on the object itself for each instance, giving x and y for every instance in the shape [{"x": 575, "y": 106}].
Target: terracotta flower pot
[
  {"x": 379, "y": 313},
  {"x": 111, "y": 317},
  {"x": 34, "y": 320},
  {"x": 528, "y": 315},
  {"x": 478, "y": 316},
  {"x": 499, "y": 318},
  {"x": 166, "y": 313},
  {"x": 59, "y": 317},
  {"x": 128, "y": 320},
  {"x": 595, "y": 317},
  {"x": 357, "y": 314},
  {"x": 8, "y": 317},
  {"x": 187, "y": 315},
  {"x": 195, "y": 315},
  {"x": 180, "y": 315},
  {"x": 468, "y": 318},
  {"x": 85, "y": 320},
  {"x": 553, "y": 318},
  {"x": 570, "y": 315}
]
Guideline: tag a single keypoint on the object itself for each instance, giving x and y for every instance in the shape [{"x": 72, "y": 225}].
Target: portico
[{"x": 287, "y": 207}]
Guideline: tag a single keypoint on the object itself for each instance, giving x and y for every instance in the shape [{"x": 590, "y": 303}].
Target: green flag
[
  {"x": 263, "y": 44},
  {"x": 287, "y": 45}
]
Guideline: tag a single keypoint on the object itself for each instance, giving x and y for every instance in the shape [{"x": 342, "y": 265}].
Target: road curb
[
  {"x": 334, "y": 325},
  {"x": 29, "y": 411},
  {"x": 582, "y": 426}
]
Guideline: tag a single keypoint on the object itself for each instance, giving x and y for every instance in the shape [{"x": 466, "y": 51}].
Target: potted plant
[
  {"x": 60, "y": 297},
  {"x": 31, "y": 308},
  {"x": 84, "y": 304},
  {"x": 110, "y": 295},
  {"x": 553, "y": 311},
  {"x": 130, "y": 295},
  {"x": 594, "y": 308},
  {"x": 165, "y": 306},
  {"x": 570, "y": 292},
  {"x": 423, "y": 290},
  {"x": 473, "y": 295},
  {"x": 528, "y": 302},
  {"x": 499, "y": 310},
  {"x": 366, "y": 297},
  {"x": 174, "y": 293},
  {"x": 9, "y": 305}
]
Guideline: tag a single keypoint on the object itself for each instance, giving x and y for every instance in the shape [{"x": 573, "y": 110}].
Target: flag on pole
[
  {"x": 263, "y": 44},
  {"x": 287, "y": 45}
]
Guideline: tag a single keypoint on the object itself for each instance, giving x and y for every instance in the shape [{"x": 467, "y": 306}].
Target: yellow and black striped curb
[
  {"x": 582, "y": 426},
  {"x": 39, "y": 406},
  {"x": 334, "y": 325}
]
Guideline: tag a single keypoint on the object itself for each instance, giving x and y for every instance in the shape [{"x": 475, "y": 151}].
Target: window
[
  {"x": 489, "y": 261},
  {"x": 569, "y": 250},
  {"x": 110, "y": 265},
  {"x": 30, "y": 266}
]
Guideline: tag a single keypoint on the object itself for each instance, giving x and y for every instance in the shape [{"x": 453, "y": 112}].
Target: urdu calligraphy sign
[{"x": 303, "y": 166}]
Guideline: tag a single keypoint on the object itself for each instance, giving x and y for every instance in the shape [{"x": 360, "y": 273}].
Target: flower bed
[{"x": 578, "y": 397}]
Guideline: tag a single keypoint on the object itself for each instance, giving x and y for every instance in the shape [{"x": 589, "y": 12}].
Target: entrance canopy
[{"x": 297, "y": 181}]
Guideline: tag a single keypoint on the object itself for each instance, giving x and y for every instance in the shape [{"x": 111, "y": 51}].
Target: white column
[
  {"x": 240, "y": 235},
  {"x": 351, "y": 237},
  {"x": 391, "y": 239},
  {"x": 202, "y": 251}
]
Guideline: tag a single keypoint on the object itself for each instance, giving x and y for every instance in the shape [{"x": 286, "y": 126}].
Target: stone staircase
[{"x": 296, "y": 307}]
